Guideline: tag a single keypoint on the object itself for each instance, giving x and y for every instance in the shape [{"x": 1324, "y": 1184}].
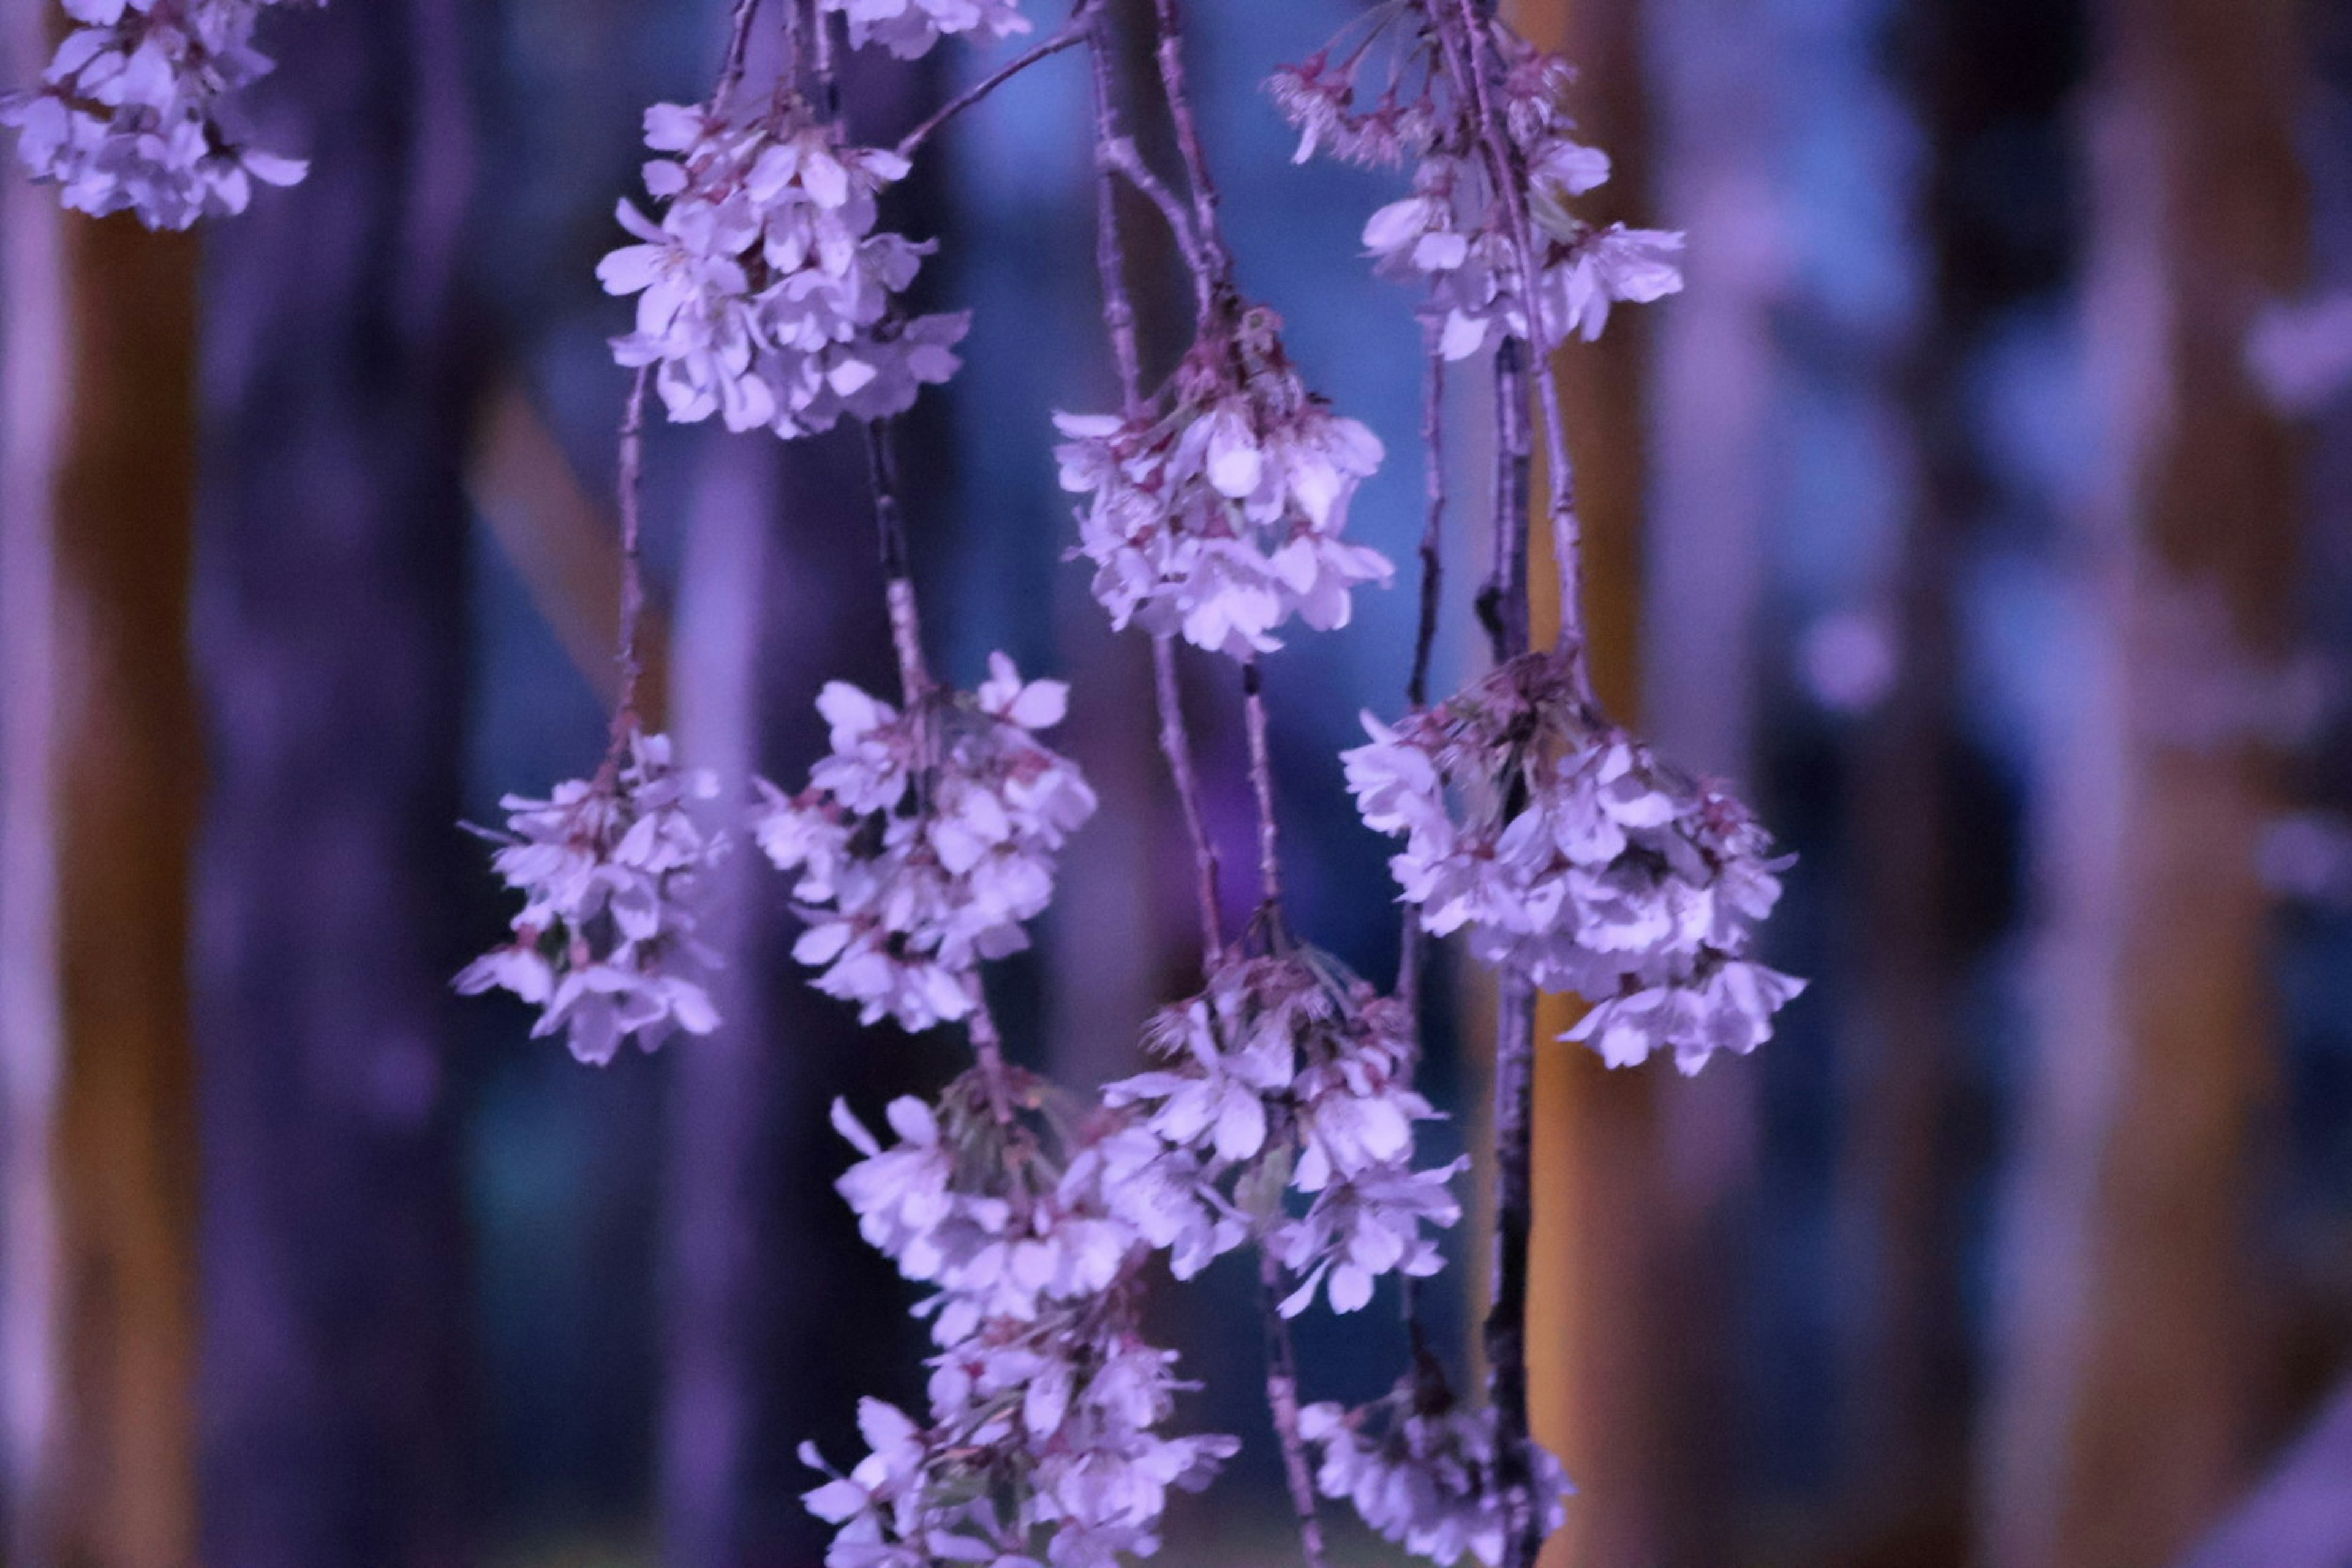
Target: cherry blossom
[
  {"x": 609, "y": 868},
  {"x": 1285, "y": 1072},
  {"x": 1218, "y": 514},
  {"x": 1454, "y": 232},
  {"x": 1577, "y": 860},
  {"x": 764, "y": 295},
  {"x": 908, "y": 28},
  {"x": 129, "y": 115},
  {"x": 1422, "y": 1471},
  {"x": 924, "y": 840},
  {"x": 1044, "y": 1435}
]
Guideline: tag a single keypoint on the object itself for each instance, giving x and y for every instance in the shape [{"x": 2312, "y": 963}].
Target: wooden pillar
[
  {"x": 100, "y": 781},
  {"x": 2131, "y": 1345}
]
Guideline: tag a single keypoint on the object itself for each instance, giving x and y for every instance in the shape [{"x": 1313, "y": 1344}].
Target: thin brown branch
[
  {"x": 633, "y": 578},
  {"x": 897, "y": 576},
  {"x": 1072, "y": 33},
  {"x": 1261, "y": 771},
  {"x": 1176, "y": 745},
  {"x": 1282, "y": 1404}
]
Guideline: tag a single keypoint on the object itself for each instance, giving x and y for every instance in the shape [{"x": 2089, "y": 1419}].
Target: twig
[
  {"x": 1120, "y": 153},
  {"x": 1176, "y": 745},
  {"x": 1072, "y": 33},
  {"x": 1119, "y": 319},
  {"x": 1170, "y": 57},
  {"x": 1433, "y": 528},
  {"x": 1282, "y": 1404},
  {"x": 1110, "y": 248},
  {"x": 633, "y": 577},
  {"x": 899, "y": 583},
  {"x": 987, "y": 1048},
  {"x": 1506, "y": 1333},
  {"x": 1261, "y": 771},
  {"x": 1503, "y": 600},
  {"x": 738, "y": 49}
]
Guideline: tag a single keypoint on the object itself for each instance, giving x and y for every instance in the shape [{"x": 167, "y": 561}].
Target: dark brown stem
[
  {"x": 1072, "y": 33},
  {"x": 1506, "y": 1319},
  {"x": 1282, "y": 1402},
  {"x": 1433, "y": 528},
  {"x": 633, "y": 578},
  {"x": 898, "y": 578},
  {"x": 1503, "y": 600}
]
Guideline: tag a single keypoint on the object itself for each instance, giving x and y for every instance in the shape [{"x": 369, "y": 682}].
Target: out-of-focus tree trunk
[
  {"x": 2132, "y": 1358},
  {"x": 99, "y": 781},
  {"x": 332, "y": 636}
]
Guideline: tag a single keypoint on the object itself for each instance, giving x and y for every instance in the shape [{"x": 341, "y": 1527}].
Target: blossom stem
[
  {"x": 1110, "y": 248},
  {"x": 1170, "y": 57},
  {"x": 1072, "y": 33},
  {"x": 1282, "y": 1402},
  {"x": 1433, "y": 528},
  {"x": 899, "y": 583},
  {"x": 738, "y": 49},
  {"x": 1505, "y": 1334},
  {"x": 631, "y": 484},
  {"x": 1503, "y": 600},
  {"x": 1119, "y": 319},
  {"x": 1120, "y": 153},
  {"x": 988, "y": 1049},
  {"x": 1468, "y": 58},
  {"x": 1176, "y": 745},
  {"x": 1261, "y": 770}
]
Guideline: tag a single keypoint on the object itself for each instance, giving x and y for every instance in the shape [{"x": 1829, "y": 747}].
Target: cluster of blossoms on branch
[
  {"x": 924, "y": 841},
  {"x": 1218, "y": 516},
  {"x": 764, "y": 294},
  {"x": 1423, "y": 1472},
  {"x": 1285, "y": 1072},
  {"x": 130, "y": 116},
  {"x": 1577, "y": 861},
  {"x": 608, "y": 867},
  {"x": 908, "y": 28},
  {"x": 1043, "y": 1441},
  {"x": 1474, "y": 238},
  {"x": 1280, "y": 1111}
]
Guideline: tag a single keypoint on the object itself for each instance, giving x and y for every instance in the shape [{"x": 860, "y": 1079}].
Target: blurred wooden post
[
  {"x": 2130, "y": 1358},
  {"x": 1604, "y": 1357},
  {"x": 100, "y": 784}
]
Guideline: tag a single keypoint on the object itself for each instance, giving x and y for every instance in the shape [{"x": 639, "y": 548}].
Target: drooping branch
[
  {"x": 1072, "y": 33},
  {"x": 631, "y": 483},
  {"x": 897, "y": 570}
]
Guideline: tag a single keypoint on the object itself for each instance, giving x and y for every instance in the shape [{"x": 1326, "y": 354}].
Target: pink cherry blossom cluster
[
  {"x": 1423, "y": 1472},
  {"x": 764, "y": 294},
  {"x": 1463, "y": 230},
  {"x": 1217, "y": 514},
  {"x": 908, "y": 28},
  {"x": 129, "y": 115},
  {"x": 1047, "y": 1405},
  {"x": 1578, "y": 862},
  {"x": 925, "y": 840},
  {"x": 608, "y": 868},
  {"x": 1285, "y": 1072}
]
